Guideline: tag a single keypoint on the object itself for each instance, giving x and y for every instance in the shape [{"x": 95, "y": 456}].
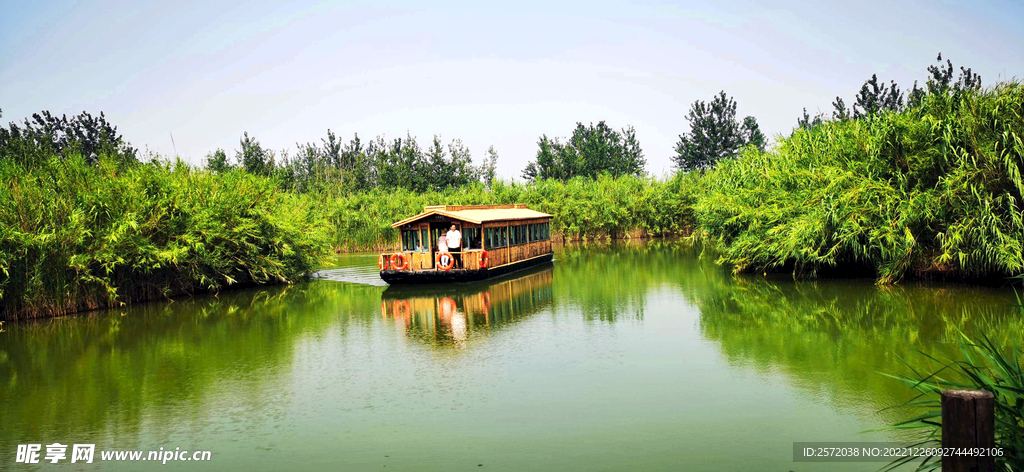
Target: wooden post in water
[{"x": 968, "y": 421}]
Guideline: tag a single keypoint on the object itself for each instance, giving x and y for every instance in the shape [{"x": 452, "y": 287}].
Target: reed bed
[
  {"x": 931, "y": 191},
  {"x": 77, "y": 236}
]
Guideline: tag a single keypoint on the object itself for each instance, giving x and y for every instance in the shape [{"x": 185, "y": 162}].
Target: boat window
[
  {"x": 513, "y": 235},
  {"x": 425, "y": 239},
  {"x": 411, "y": 240},
  {"x": 471, "y": 238},
  {"x": 543, "y": 231},
  {"x": 503, "y": 238},
  {"x": 493, "y": 238}
]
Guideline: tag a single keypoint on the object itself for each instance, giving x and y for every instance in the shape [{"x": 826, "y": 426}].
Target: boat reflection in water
[{"x": 453, "y": 314}]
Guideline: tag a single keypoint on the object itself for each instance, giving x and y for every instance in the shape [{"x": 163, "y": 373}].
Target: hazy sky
[{"x": 490, "y": 75}]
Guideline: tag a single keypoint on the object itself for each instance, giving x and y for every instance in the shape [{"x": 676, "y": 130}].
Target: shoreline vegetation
[{"x": 927, "y": 189}]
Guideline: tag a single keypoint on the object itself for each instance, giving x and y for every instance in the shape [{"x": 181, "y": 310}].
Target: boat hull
[{"x": 402, "y": 277}]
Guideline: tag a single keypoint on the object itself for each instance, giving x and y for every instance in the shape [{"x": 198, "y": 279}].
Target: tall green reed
[
  {"x": 75, "y": 236},
  {"x": 934, "y": 190},
  {"x": 984, "y": 366}
]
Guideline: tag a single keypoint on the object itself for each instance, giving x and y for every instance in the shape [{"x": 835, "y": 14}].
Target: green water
[{"x": 612, "y": 358}]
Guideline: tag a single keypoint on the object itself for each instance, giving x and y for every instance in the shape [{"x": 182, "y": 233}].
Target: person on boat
[
  {"x": 454, "y": 238},
  {"x": 442, "y": 243}
]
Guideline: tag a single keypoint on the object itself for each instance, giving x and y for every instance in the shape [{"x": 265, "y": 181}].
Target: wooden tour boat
[{"x": 496, "y": 239}]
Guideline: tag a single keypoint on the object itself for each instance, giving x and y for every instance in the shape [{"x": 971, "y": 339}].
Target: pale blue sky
[{"x": 490, "y": 75}]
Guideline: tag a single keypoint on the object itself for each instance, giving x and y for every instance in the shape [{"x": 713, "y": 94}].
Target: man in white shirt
[{"x": 454, "y": 238}]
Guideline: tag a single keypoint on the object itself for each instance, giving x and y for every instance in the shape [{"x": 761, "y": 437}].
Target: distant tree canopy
[
  {"x": 591, "y": 151},
  {"x": 397, "y": 163},
  {"x": 715, "y": 134},
  {"x": 875, "y": 97},
  {"x": 807, "y": 121},
  {"x": 253, "y": 157},
  {"x": 489, "y": 168},
  {"x": 46, "y": 135}
]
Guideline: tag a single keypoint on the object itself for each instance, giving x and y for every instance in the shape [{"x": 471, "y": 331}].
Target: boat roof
[{"x": 477, "y": 214}]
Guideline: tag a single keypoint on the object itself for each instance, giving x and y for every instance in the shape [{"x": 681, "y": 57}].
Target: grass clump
[
  {"x": 984, "y": 366},
  {"x": 77, "y": 236}
]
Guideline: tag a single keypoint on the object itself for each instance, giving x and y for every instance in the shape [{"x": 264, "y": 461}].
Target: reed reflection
[{"x": 452, "y": 315}]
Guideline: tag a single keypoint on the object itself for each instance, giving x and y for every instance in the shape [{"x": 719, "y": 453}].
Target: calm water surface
[{"x": 612, "y": 358}]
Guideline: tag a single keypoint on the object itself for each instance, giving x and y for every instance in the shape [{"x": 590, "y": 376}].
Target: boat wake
[{"x": 352, "y": 275}]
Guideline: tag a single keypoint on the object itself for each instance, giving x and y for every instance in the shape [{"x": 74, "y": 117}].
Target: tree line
[
  {"x": 44, "y": 135},
  {"x": 876, "y": 97},
  {"x": 358, "y": 165},
  {"x": 716, "y": 133},
  {"x": 589, "y": 152}
]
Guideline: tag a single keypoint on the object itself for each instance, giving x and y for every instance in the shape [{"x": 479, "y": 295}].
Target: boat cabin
[{"x": 496, "y": 239}]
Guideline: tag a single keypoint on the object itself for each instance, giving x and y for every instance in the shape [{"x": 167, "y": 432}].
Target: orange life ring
[
  {"x": 399, "y": 261},
  {"x": 445, "y": 261},
  {"x": 382, "y": 262},
  {"x": 485, "y": 260}
]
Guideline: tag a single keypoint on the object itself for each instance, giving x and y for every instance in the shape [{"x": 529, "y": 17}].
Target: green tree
[
  {"x": 447, "y": 167},
  {"x": 592, "y": 150},
  {"x": 633, "y": 161},
  {"x": 752, "y": 134},
  {"x": 45, "y": 135},
  {"x": 332, "y": 152},
  {"x": 253, "y": 157},
  {"x": 399, "y": 163},
  {"x": 435, "y": 171},
  {"x": 460, "y": 169},
  {"x": 715, "y": 134},
  {"x": 875, "y": 97},
  {"x": 359, "y": 174},
  {"x": 488, "y": 171},
  {"x": 808, "y": 122},
  {"x": 310, "y": 167},
  {"x": 940, "y": 78},
  {"x": 547, "y": 164},
  {"x": 839, "y": 110},
  {"x": 217, "y": 161}
]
